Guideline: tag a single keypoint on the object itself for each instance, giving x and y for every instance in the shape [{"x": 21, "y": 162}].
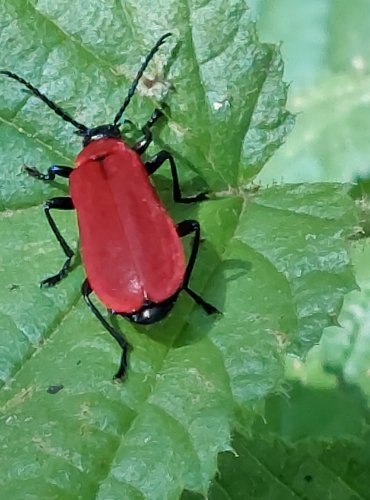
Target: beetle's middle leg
[
  {"x": 184, "y": 228},
  {"x": 59, "y": 203}
]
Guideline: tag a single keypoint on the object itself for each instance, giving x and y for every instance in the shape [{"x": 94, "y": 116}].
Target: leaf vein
[{"x": 253, "y": 108}]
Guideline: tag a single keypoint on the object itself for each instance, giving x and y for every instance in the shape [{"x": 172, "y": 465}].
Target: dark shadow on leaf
[{"x": 242, "y": 267}]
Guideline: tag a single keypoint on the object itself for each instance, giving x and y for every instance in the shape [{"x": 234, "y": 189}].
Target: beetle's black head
[{"x": 93, "y": 134}]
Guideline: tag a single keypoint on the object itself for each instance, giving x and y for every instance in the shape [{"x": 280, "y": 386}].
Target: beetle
[{"x": 130, "y": 246}]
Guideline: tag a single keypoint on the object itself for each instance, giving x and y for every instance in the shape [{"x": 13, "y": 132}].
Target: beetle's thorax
[{"x": 100, "y": 148}]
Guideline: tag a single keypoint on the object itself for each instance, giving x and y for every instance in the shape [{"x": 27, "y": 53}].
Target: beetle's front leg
[
  {"x": 60, "y": 203},
  {"x": 54, "y": 170},
  {"x": 141, "y": 146}
]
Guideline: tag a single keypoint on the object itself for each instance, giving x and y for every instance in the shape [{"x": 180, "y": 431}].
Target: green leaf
[
  {"x": 312, "y": 443},
  {"x": 273, "y": 260},
  {"x": 188, "y": 374},
  {"x": 273, "y": 470}
]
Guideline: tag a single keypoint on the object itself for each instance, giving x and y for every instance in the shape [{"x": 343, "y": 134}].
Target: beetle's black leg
[
  {"x": 54, "y": 170},
  {"x": 86, "y": 291},
  {"x": 143, "y": 143},
  {"x": 156, "y": 162},
  {"x": 60, "y": 203},
  {"x": 183, "y": 228}
]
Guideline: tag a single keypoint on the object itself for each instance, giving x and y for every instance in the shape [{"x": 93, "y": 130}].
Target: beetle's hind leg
[
  {"x": 59, "y": 203},
  {"x": 86, "y": 290},
  {"x": 184, "y": 228}
]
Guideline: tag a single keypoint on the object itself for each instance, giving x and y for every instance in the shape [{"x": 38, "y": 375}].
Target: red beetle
[{"x": 130, "y": 246}]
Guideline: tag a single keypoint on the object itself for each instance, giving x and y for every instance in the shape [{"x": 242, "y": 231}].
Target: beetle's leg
[
  {"x": 143, "y": 143},
  {"x": 183, "y": 228},
  {"x": 156, "y": 162},
  {"x": 86, "y": 291},
  {"x": 54, "y": 170},
  {"x": 60, "y": 203}
]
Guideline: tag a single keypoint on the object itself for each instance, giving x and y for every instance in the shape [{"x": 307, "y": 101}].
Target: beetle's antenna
[
  {"x": 134, "y": 84},
  {"x": 59, "y": 111}
]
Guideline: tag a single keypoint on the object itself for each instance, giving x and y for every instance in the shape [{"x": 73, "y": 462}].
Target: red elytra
[{"x": 129, "y": 244}]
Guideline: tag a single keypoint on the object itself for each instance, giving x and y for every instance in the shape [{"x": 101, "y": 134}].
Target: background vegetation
[{"x": 288, "y": 416}]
